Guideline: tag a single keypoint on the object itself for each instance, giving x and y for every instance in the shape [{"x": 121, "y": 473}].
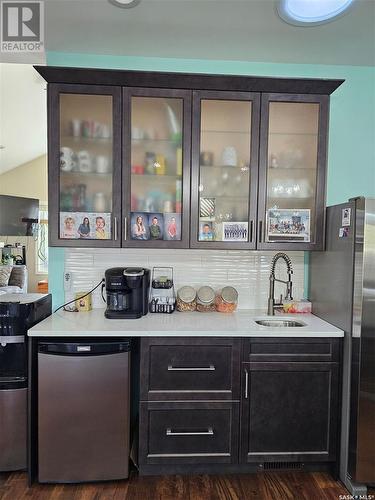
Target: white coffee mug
[
  {"x": 76, "y": 127},
  {"x": 102, "y": 164},
  {"x": 100, "y": 202},
  {"x": 229, "y": 156},
  {"x": 67, "y": 159},
  {"x": 84, "y": 161},
  {"x": 105, "y": 132}
]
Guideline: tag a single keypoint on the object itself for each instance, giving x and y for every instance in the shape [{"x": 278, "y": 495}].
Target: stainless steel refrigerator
[{"x": 342, "y": 289}]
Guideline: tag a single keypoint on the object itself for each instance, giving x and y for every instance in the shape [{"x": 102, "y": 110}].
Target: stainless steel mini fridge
[
  {"x": 342, "y": 289},
  {"x": 83, "y": 411}
]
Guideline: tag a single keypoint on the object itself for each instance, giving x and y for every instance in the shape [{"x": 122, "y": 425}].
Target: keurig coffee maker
[{"x": 127, "y": 292}]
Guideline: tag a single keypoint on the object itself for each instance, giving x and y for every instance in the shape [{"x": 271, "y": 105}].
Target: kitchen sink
[{"x": 280, "y": 323}]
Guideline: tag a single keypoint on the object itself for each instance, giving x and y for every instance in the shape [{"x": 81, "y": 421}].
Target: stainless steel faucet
[{"x": 271, "y": 299}]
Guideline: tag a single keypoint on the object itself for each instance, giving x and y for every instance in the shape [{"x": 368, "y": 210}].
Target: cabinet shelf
[
  {"x": 230, "y": 167},
  {"x": 108, "y": 175},
  {"x": 106, "y": 141},
  {"x": 226, "y": 197},
  {"x": 291, "y": 169},
  {"x": 211, "y": 131},
  {"x": 311, "y": 134},
  {"x": 163, "y": 141},
  {"x": 155, "y": 176}
]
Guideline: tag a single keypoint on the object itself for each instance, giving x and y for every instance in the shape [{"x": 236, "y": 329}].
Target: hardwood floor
[{"x": 262, "y": 486}]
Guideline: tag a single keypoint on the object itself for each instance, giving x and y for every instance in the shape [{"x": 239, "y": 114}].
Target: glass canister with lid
[
  {"x": 226, "y": 300},
  {"x": 186, "y": 299},
  {"x": 205, "y": 299}
]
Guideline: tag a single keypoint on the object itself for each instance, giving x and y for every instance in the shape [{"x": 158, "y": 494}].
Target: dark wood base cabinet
[
  {"x": 189, "y": 432},
  {"x": 284, "y": 414}
]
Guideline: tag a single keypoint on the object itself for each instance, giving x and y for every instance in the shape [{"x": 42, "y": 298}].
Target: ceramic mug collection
[
  {"x": 90, "y": 129},
  {"x": 83, "y": 161}
]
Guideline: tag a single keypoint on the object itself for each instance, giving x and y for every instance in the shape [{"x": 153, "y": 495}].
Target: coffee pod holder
[{"x": 162, "y": 294}]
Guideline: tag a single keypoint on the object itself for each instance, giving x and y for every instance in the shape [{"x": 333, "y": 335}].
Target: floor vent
[{"x": 281, "y": 465}]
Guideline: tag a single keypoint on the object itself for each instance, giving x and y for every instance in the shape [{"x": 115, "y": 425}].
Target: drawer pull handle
[
  {"x": 210, "y": 368},
  {"x": 208, "y": 432}
]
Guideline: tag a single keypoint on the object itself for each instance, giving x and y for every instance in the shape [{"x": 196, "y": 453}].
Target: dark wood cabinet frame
[
  {"x": 54, "y": 92},
  {"x": 328, "y": 415},
  {"x": 124, "y": 84},
  {"x": 254, "y": 98},
  {"x": 128, "y": 93},
  {"x": 272, "y": 356},
  {"x": 317, "y": 242}
]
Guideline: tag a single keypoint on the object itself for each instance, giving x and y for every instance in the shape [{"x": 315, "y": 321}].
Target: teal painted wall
[{"x": 351, "y": 151}]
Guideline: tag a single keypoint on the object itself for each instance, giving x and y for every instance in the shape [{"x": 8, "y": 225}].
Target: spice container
[
  {"x": 186, "y": 299},
  {"x": 205, "y": 299},
  {"x": 226, "y": 300}
]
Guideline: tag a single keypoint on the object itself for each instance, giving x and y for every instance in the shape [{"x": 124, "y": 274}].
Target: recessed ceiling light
[
  {"x": 125, "y": 4},
  {"x": 312, "y": 12}
]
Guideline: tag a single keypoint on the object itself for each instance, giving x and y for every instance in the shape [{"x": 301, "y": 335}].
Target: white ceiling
[
  {"x": 247, "y": 30},
  {"x": 23, "y": 115}
]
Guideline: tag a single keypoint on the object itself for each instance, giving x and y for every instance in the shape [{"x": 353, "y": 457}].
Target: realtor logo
[{"x": 22, "y": 26}]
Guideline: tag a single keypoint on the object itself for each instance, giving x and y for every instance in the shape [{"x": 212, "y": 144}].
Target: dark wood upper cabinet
[
  {"x": 224, "y": 169},
  {"x": 84, "y": 165},
  {"x": 186, "y": 161},
  {"x": 292, "y": 172},
  {"x": 156, "y": 128}
]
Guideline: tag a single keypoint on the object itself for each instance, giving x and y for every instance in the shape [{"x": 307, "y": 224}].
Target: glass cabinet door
[
  {"x": 292, "y": 162},
  {"x": 89, "y": 166},
  {"x": 224, "y": 183},
  {"x": 156, "y": 167}
]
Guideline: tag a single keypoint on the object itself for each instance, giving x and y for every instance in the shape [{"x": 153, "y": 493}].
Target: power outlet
[{"x": 68, "y": 280}]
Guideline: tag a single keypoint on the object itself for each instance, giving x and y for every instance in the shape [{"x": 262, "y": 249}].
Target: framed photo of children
[
  {"x": 81, "y": 225},
  {"x": 206, "y": 231},
  {"x": 139, "y": 226},
  {"x": 172, "y": 227},
  {"x": 235, "y": 231},
  {"x": 288, "y": 224},
  {"x": 156, "y": 226}
]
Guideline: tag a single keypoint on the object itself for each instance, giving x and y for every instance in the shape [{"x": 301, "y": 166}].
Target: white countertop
[{"x": 190, "y": 324}]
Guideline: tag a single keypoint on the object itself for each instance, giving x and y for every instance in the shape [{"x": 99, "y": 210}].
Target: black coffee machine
[{"x": 127, "y": 292}]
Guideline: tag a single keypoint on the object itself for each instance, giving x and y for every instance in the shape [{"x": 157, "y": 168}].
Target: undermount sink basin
[{"x": 280, "y": 323}]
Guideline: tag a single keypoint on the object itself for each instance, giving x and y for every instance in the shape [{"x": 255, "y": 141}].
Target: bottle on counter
[{"x": 226, "y": 300}]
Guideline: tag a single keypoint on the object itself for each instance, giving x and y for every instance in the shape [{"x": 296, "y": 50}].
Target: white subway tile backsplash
[{"x": 248, "y": 271}]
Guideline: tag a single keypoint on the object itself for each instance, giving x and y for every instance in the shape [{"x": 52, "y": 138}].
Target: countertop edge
[{"x": 239, "y": 324}]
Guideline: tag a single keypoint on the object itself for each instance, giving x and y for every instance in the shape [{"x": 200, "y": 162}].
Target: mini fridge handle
[{"x": 84, "y": 348}]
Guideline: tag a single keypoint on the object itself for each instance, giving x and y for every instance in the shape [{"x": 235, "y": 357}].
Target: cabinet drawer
[
  {"x": 288, "y": 349},
  {"x": 190, "y": 369},
  {"x": 188, "y": 432}
]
